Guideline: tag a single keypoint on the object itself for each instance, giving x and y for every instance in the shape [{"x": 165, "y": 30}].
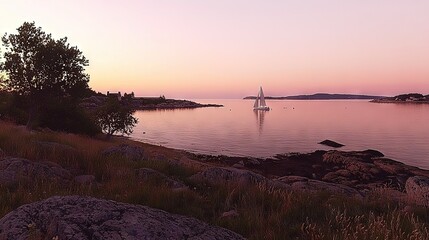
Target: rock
[
  {"x": 147, "y": 174},
  {"x": 390, "y": 166},
  {"x": 222, "y": 175},
  {"x": 230, "y": 214},
  {"x": 311, "y": 185},
  {"x": 239, "y": 164},
  {"x": 331, "y": 144},
  {"x": 417, "y": 189},
  {"x": 372, "y": 153},
  {"x": 13, "y": 170},
  {"x": 85, "y": 179},
  {"x": 128, "y": 151},
  {"x": 76, "y": 217},
  {"x": 253, "y": 161}
]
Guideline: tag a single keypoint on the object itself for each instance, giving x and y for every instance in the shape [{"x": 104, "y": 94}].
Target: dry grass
[{"x": 263, "y": 213}]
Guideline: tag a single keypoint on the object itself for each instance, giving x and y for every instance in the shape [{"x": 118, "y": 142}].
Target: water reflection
[
  {"x": 260, "y": 117},
  {"x": 400, "y": 132}
]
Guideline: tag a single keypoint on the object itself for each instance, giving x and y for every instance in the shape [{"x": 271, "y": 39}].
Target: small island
[
  {"x": 404, "y": 98},
  {"x": 143, "y": 103},
  {"x": 321, "y": 96}
]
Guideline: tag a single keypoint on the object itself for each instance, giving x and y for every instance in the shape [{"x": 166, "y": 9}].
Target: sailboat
[{"x": 260, "y": 101}]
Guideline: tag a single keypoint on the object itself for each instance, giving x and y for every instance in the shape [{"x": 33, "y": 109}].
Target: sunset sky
[{"x": 228, "y": 48}]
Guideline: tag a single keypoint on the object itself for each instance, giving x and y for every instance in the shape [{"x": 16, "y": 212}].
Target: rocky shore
[
  {"x": 140, "y": 103},
  {"x": 121, "y": 184},
  {"x": 404, "y": 98},
  {"x": 354, "y": 173}
]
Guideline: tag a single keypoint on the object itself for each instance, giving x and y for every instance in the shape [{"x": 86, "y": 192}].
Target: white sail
[
  {"x": 262, "y": 98},
  {"x": 256, "y": 105},
  {"x": 260, "y": 101}
]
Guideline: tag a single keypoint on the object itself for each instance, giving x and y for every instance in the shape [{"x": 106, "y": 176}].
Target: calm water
[{"x": 400, "y": 131}]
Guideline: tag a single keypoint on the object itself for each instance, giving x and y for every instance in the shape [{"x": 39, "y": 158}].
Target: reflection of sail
[{"x": 260, "y": 116}]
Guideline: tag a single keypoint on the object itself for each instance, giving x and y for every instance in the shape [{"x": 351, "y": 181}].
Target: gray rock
[
  {"x": 222, "y": 175},
  {"x": 147, "y": 174},
  {"x": 417, "y": 189},
  {"x": 128, "y": 151},
  {"x": 331, "y": 143},
  {"x": 76, "y": 217},
  {"x": 253, "y": 161},
  {"x": 13, "y": 170},
  {"x": 311, "y": 185}
]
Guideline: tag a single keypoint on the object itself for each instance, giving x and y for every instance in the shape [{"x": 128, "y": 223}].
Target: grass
[{"x": 263, "y": 213}]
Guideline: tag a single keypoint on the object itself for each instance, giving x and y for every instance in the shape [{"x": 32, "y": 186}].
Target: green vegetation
[
  {"x": 263, "y": 213},
  {"x": 41, "y": 70},
  {"x": 116, "y": 117}
]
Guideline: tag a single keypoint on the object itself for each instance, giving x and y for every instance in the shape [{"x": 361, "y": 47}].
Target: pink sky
[{"x": 227, "y": 48}]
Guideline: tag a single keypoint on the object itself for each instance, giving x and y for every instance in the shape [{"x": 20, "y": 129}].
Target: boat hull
[{"x": 262, "y": 108}]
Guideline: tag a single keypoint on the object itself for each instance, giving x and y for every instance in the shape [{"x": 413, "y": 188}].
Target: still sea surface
[{"x": 400, "y": 131}]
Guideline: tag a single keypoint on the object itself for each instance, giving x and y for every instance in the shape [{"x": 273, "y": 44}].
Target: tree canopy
[
  {"x": 39, "y": 66},
  {"x": 42, "y": 69},
  {"x": 116, "y": 117}
]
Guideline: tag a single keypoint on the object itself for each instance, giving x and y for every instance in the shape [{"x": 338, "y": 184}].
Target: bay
[{"x": 400, "y": 131}]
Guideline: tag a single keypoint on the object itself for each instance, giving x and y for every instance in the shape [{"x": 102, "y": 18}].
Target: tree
[
  {"x": 116, "y": 117},
  {"x": 41, "y": 69}
]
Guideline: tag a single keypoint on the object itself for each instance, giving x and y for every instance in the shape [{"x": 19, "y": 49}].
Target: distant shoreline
[
  {"x": 322, "y": 96},
  {"x": 415, "y": 98}
]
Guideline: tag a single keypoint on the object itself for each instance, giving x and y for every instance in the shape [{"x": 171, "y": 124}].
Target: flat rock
[
  {"x": 76, "y": 217},
  {"x": 13, "y": 170},
  {"x": 222, "y": 175},
  {"x": 128, "y": 151},
  {"x": 311, "y": 185},
  {"x": 417, "y": 189},
  {"x": 147, "y": 174},
  {"x": 331, "y": 144}
]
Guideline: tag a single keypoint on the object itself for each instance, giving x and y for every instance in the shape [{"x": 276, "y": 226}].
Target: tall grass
[{"x": 263, "y": 213}]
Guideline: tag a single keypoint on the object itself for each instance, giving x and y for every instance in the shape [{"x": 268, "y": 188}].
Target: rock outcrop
[
  {"x": 127, "y": 151},
  {"x": 418, "y": 190},
  {"x": 309, "y": 185},
  {"x": 13, "y": 170},
  {"x": 147, "y": 174},
  {"x": 223, "y": 175},
  {"x": 331, "y": 143},
  {"x": 75, "y": 217}
]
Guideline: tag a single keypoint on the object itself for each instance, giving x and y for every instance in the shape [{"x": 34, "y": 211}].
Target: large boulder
[
  {"x": 417, "y": 189},
  {"x": 310, "y": 185},
  {"x": 76, "y": 217},
  {"x": 222, "y": 175},
  {"x": 147, "y": 174},
  {"x": 13, "y": 170},
  {"x": 128, "y": 151}
]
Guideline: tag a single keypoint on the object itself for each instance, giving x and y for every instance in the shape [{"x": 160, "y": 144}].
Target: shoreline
[
  {"x": 399, "y": 102},
  {"x": 36, "y": 167},
  {"x": 362, "y": 170}
]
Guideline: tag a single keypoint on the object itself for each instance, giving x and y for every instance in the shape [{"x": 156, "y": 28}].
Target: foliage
[
  {"x": 115, "y": 116},
  {"x": 42, "y": 69},
  {"x": 67, "y": 116},
  {"x": 158, "y": 100}
]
